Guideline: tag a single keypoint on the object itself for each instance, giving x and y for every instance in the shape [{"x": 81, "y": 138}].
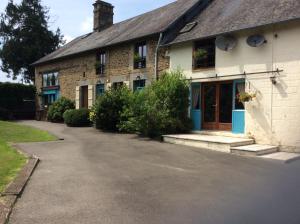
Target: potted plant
[
  {"x": 97, "y": 65},
  {"x": 246, "y": 97},
  {"x": 137, "y": 58},
  {"x": 200, "y": 54},
  {"x": 138, "y": 61}
]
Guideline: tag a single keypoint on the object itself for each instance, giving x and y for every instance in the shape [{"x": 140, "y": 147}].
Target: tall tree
[{"x": 25, "y": 37}]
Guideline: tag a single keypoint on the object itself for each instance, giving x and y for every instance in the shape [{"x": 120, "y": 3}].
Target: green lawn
[{"x": 10, "y": 160}]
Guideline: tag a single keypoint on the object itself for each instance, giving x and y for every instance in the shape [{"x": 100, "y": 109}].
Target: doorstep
[{"x": 217, "y": 143}]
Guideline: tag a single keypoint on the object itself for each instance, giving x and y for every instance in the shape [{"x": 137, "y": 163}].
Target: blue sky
[{"x": 75, "y": 17}]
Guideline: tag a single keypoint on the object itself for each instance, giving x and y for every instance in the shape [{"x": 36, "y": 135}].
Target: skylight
[{"x": 188, "y": 27}]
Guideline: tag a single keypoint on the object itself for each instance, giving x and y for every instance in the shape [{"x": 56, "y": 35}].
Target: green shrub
[
  {"x": 161, "y": 108},
  {"x": 77, "y": 118},
  {"x": 108, "y": 108},
  {"x": 57, "y": 109}
]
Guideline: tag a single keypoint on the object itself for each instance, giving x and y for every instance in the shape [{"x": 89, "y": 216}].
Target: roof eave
[{"x": 229, "y": 32}]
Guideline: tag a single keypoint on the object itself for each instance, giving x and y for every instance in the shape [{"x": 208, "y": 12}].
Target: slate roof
[
  {"x": 225, "y": 16},
  {"x": 143, "y": 25}
]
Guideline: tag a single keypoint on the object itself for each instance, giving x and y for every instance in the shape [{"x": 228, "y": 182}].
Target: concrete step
[
  {"x": 254, "y": 150},
  {"x": 285, "y": 157},
  {"x": 220, "y": 133},
  {"x": 217, "y": 143}
]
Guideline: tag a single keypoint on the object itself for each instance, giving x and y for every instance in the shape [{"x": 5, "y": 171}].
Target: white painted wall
[{"x": 274, "y": 116}]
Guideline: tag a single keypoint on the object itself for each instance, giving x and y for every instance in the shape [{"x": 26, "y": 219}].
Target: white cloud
[
  {"x": 87, "y": 25},
  {"x": 68, "y": 38}
]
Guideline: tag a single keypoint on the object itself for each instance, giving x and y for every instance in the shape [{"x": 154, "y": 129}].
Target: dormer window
[
  {"x": 140, "y": 55},
  {"x": 204, "y": 54},
  {"x": 100, "y": 63}
]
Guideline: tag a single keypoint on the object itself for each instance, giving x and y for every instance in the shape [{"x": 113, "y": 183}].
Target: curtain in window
[{"x": 196, "y": 98}]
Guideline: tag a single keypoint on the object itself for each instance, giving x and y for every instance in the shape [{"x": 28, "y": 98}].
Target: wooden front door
[
  {"x": 217, "y": 105},
  {"x": 84, "y": 97}
]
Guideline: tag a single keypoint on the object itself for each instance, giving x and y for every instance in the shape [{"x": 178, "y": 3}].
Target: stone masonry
[{"x": 80, "y": 70}]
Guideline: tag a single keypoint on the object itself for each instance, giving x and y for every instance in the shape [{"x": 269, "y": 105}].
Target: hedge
[
  {"x": 77, "y": 118},
  {"x": 17, "y": 101}
]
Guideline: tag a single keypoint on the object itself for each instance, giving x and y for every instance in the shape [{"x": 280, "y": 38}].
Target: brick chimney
[{"x": 103, "y": 15}]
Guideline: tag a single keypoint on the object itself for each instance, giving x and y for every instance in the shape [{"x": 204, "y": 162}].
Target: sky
[{"x": 75, "y": 17}]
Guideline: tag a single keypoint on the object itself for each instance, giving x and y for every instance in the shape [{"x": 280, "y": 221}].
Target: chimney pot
[{"x": 103, "y": 15}]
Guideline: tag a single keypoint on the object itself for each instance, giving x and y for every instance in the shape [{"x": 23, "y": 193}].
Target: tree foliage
[{"x": 25, "y": 37}]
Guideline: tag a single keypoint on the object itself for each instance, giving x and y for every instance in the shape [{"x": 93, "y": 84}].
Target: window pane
[
  {"x": 204, "y": 54},
  {"x": 196, "y": 98},
  {"x": 141, "y": 51},
  {"x": 225, "y": 113},
  {"x": 139, "y": 84},
  {"x": 99, "y": 89},
  {"x": 44, "y": 80},
  {"x": 145, "y": 51},
  {"x": 239, "y": 88}
]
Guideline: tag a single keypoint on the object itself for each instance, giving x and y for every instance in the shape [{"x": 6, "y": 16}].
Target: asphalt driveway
[{"x": 93, "y": 177}]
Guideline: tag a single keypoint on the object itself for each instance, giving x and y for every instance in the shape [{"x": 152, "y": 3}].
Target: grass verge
[{"x": 12, "y": 161}]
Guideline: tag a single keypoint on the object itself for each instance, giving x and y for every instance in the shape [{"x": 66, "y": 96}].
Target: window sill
[
  {"x": 51, "y": 88},
  {"x": 141, "y": 69},
  {"x": 204, "y": 69}
]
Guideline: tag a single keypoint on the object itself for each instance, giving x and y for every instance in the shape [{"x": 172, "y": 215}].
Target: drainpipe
[{"x": 156, "y": 56}]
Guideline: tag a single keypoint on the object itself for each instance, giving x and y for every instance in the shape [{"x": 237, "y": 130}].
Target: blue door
[{"x": 196, "y": 105}]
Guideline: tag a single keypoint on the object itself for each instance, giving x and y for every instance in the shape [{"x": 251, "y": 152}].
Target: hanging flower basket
[{"x": 245, "y": 97}]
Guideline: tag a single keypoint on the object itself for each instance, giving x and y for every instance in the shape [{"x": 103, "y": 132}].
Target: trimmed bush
[
  {"x": 108, "y": 108},
  {"x": 77, "y": 118},
  {"x": 57, "y": 109}
]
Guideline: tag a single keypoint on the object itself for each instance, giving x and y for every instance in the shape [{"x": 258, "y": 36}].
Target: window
[
  {"x": 204, "y": 54},
  {"x": 139, "y": 84},
  {"x": 239, "y": 88},
  {"x": 117, "y": 85},
  {"x": 100, "y": 89},
  {"x": 49, "y": 99},
  {"x": 140, "y": 55},
  {"x": 50, "y": 79},
  {"x": 100, "y": 63}
]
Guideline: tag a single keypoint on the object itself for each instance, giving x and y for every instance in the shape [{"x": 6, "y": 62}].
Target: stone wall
[{"x": 80, "y": 70}]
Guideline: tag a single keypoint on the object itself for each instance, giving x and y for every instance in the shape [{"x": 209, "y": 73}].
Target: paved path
[{"x": 95, "y": 177}]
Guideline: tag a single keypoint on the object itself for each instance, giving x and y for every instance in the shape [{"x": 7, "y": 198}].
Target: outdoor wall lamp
[{"x": 273, "y": 80}]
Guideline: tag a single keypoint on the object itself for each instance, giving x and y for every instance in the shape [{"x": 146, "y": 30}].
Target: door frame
[
  {"x": 84, "y": 96},
  {"x": 214, "y": 125}
]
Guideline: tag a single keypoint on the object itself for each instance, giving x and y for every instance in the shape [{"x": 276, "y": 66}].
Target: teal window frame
[
  {"x": 100, "y": 89},
  {"x": 139, "y": 85}
]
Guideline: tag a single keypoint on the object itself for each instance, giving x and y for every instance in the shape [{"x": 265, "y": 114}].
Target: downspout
[{"x": 156, "y": 57}]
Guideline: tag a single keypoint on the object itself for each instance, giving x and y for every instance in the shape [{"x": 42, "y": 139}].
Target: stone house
[
  {"x": 244, "y": 48},
  {"x": 241, "y": 56},
  {"x": 125, "y": 53}
]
